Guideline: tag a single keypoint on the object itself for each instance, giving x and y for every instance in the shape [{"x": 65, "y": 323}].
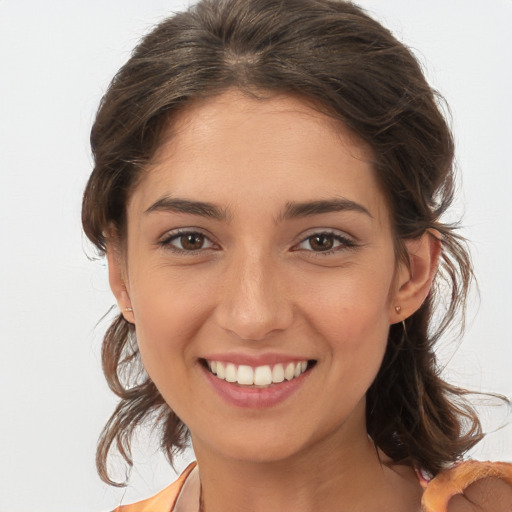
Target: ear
[
  {"x": 117, "y": 280},
  {"x": 415, "y": 277}
]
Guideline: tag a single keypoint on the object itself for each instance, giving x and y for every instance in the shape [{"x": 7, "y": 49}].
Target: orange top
[
  {"x": 163, "y": 501},
  {"x": 437, "y": 493}
]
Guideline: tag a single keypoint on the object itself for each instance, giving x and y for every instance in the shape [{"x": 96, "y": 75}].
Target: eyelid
[
  {"x": 346, "y": 240},
  {"x": 165, "y": 241}
]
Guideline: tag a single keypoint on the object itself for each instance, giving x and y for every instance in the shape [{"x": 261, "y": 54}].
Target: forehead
[{"x": 236, "y": 149}]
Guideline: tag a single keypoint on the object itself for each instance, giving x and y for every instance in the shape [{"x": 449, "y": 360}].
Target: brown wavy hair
[{"x": 338, "y": 58}]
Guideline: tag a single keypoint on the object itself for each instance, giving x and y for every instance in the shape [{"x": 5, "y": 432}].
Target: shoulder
[
  {"x": 471, "y": 486},
  {"x": 163, "y": 501}
]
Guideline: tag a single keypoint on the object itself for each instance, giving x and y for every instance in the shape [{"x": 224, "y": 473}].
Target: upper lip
[{"x": 255, "y": 360}]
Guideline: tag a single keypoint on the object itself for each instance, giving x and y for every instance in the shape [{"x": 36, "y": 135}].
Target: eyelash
[
  {"x": 166, "y": 242},
  {"x": 344, "y": 242}
]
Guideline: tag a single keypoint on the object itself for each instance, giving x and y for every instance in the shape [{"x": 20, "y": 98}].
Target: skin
[
  {"x": 258, "y": 285},
  {"x": 487, "y": 495}
]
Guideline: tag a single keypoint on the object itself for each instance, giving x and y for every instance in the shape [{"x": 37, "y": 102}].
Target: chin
[
  {"x": 259, "y": 451},
  {"x": 260, "y": 443}
]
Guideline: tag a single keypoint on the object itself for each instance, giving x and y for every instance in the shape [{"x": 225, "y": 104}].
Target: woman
[{"x": 268, "y": 189}]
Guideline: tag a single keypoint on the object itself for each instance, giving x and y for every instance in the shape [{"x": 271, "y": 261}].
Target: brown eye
[
  {"x": 192, "y": 241},
  {"x": 325, "y": 242},
  {"x": 187, "y": 242},
  {"x": 321, "y": 242}
]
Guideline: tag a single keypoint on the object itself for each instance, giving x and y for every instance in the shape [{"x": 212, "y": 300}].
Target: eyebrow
[
  {"x": 292, "y": 210},
  {"x": 170, "y": 204},
  {"x": 305, "y": 209}
]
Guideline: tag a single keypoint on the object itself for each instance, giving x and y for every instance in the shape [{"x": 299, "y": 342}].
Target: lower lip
[{"x": 255, "y": 398}]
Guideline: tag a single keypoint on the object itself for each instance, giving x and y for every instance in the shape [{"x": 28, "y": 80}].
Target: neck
[{"x": 327, "y": 477}]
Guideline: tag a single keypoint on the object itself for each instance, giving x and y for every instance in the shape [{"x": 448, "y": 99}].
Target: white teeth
[
  {"x": 266, "y": 375},
  {"x": 278, "y": 373},
  {"x": 221, "y": 372},
  {"x": 245, "y": 375},
  {"x": 289, "y": 371},
  {"x": 262, "y": 376},
  {"x": 231, "y": 373}
]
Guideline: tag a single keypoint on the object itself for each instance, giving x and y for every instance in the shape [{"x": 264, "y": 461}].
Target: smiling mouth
[{"x": 258, "y": 376}]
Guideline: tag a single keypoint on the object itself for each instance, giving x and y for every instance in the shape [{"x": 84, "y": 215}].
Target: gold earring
[{"x": 398, "y": 309}]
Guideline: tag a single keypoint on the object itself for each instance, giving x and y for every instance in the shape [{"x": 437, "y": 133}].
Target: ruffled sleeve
[
  {"x": 453, "y": 481},
  {"x": 164, "y": 501}
]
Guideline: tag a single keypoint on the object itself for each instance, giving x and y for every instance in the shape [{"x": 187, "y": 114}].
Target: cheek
[
  {"x": 357, "y": 337},
  {"x": 350, "y": 307},
  {"x": 351, "y": 319},
  {"x": 168, "y": 302},
  {"x": 169, "y": 312}
]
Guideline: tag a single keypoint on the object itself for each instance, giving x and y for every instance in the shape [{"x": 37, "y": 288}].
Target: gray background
[{"x": 56, "y": 59}]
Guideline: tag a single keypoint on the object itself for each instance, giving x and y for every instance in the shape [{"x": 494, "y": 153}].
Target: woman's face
[{"x": 259, "y": 245}]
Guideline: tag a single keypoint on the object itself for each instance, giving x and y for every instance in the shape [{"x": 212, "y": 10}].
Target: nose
[{"x": 253, "y": 303}]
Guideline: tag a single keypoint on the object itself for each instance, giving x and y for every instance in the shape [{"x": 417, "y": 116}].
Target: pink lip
[
  {"x": 254, "y": 360},
  {"x": 252, "y": 397}
]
